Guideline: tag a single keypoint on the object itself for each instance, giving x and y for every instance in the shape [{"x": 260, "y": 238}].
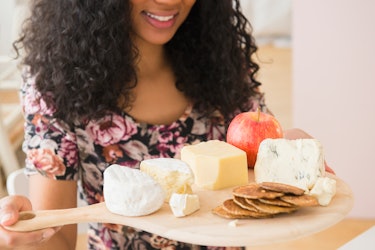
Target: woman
[{"x": 117, "y": 82}]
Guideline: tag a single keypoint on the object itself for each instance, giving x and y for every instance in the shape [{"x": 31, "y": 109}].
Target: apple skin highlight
[{"x": 248, "y": 129}]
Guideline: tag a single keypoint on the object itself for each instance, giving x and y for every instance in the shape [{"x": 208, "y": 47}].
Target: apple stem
[{"x": 258, "y": 109}]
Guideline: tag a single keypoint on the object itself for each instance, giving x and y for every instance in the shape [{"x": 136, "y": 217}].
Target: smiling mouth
[{"x": 160, "y": 18}]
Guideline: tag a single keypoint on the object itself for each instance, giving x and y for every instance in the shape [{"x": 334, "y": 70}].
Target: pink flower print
[
  {"x": 165, "y": 137},
  {"x": 46, "y": 162},
  {"x": 68, "y": 151},
  {"x": 33, "y": 102},
  {"x": 110, "y": 130}
]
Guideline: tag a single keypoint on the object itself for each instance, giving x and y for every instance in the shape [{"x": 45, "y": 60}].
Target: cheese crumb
[
  {"x": 324, "y": 190},
  {"x": 233, "y": 223}
]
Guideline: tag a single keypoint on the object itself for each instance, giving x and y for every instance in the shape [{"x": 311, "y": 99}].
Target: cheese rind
[
  {"x": 295, "y": 162},
  {"x": 216, "y": 164},
  {"x": 130, "y": 192},
  {"x": 184, "y": 204},
  {"x": 174, "y": 175}
]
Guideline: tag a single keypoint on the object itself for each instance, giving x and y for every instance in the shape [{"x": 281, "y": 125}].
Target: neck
[{"x": 151, "y": 59}]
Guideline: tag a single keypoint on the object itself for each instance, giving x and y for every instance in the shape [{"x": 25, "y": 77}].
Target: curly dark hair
[{"x": 84, "y": 60}]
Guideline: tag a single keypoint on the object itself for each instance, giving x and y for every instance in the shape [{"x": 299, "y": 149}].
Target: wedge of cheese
[
  {"x": 295, "y": 162},
  {"x": 216, "y": 164},
  {"x": 174, "y": 175},
  {"x": 130, "y": 192},
  {"x": 184, "y": 204}
]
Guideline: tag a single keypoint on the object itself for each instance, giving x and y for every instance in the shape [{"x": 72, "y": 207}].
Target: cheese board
[{"x": 205, "y": 228}]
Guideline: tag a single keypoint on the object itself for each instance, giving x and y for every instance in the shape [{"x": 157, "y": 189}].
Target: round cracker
[
  {"x": 282, "y": 188},
  {"x": 254, "y": 191},
  {"x": 240, "y": 201},
  {"x": 276, "y": 202},
  {"x": 300, "y": 200},
  {"x": 231, "y": 207},
  {"x": 223, "y": 212},
  {"x": 220, "y": 211},
  {"x": 270, "y": 209}
]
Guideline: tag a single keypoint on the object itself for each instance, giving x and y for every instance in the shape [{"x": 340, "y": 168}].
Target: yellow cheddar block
[{"x": 216, "y": 164}]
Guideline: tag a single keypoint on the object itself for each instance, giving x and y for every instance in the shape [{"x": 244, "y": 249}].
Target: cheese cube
[
  {"x": 295, "y": 162},
  {"x": 184, "y": 204},
  {"x": 324, "y": 190},
  {"x": 174, "y": 175},
  {"x": 216, "y": 164}
]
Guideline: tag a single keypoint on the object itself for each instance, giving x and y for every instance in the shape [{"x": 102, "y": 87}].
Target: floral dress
[{"x": 84, "y": 151}]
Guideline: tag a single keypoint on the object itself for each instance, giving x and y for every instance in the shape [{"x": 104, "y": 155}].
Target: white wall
[
  {"x": 270, "y": 19},
  {"x": 12, "y": 13},
  {"x": 334, "y": 88},
  {"x": 6, "y": 18}
]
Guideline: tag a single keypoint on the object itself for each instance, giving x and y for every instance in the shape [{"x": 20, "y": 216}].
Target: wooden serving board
[{"x": 205, "y": 228}]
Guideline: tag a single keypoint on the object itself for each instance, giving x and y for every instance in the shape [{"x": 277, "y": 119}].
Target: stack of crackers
[{"x": 264, "y": 200}]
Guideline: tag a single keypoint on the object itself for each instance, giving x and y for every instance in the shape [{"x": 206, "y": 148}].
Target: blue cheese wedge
[{"x": 295, "y": 162}]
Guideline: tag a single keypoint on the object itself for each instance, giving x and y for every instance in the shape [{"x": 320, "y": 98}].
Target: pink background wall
[{"x": 334, "y": 88}]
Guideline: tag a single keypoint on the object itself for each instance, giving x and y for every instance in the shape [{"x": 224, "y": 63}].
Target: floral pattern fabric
[{"x": 84, "y": 151}]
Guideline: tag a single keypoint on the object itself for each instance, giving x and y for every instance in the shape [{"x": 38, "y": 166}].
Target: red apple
[{"x": 248, "y": 129}]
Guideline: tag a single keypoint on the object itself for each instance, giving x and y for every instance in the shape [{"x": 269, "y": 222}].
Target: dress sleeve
[{"x": 50, "y": 145}]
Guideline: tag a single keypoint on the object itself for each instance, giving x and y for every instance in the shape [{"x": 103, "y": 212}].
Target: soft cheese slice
[
  {"x": 216, "y": 164},
  {"x": 184, "y": 204},
  {"x": 324, "y": 190},
  {"x": 174, "y": 175},
  {"x": 130, "y": 192},
  {"x": 295, "y": 162}
]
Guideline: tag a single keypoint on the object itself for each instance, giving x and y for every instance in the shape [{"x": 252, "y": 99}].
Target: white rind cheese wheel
[
  {"x": 130, "y": 192},
  {"x": 174, "y": 175},
  {"x": 295, "y": 162}
]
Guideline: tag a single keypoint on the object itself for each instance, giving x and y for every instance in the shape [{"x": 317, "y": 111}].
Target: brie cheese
[
  {"x": 174, "y": 175},
  {"x": 130, "y": 192}
]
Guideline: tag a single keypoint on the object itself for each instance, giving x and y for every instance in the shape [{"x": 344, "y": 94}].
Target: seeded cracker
[
  {"x": 254, "y": 191},
  {"x": 301, "y": 200},
  {"x": 276, "y": 202},
  {"x": 270, "y": 209},
  {"x": 220, "y": 211},
  {"x": 282, "y": 188},
  {"x": 240, "y": 201}
]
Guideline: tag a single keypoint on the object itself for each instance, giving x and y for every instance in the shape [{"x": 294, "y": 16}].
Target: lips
[{"x": 160, "y": 21}]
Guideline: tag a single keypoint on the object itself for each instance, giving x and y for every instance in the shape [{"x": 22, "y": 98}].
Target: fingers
[
  {"x": 329, "y": 170},
  {"x": 10, "y": 207},
  {"x": 11, "y": 240}
]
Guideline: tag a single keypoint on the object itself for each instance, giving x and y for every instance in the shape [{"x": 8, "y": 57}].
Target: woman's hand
[
  {"x": 10, "y": 207},
  {"x": 296, "y": 133}
]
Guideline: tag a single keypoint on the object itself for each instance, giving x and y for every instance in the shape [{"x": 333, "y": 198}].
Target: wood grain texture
[{"x": 205, "y": 228}]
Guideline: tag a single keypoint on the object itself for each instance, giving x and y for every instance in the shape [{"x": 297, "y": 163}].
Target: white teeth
[{"x": 160, "y": 18}]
